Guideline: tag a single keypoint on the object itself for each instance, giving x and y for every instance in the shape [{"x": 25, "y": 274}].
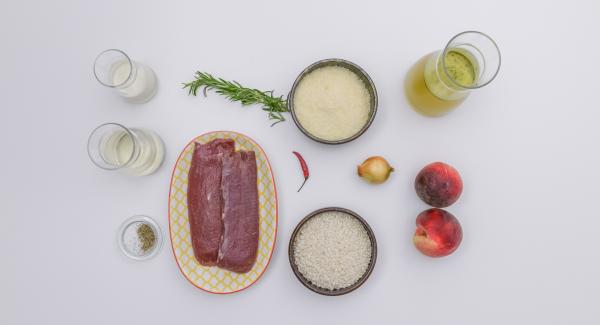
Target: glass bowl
[{"x": 126, "y": 229}]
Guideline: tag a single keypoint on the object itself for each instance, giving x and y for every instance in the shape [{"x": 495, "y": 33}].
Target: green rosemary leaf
[{"x": 234, "y": 91}]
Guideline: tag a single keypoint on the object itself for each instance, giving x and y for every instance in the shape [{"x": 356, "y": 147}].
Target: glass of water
[
  {"x": 135, "y": 81},
  {"x": 138, "y": 152}
]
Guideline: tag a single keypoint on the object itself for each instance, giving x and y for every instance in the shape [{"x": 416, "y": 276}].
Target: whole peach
[
  {"x": 438, "y": 184},
  {"x": 438, "y": 233}
]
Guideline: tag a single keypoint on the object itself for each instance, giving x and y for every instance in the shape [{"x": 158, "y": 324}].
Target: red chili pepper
[{"x": 304, "y": 168}]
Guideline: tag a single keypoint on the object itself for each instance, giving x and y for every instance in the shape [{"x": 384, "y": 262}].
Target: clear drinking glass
[
  {"x": 138, "y": 152},
  {"x": 441, "y": 80},
  {"x": 135, "y": 81}
]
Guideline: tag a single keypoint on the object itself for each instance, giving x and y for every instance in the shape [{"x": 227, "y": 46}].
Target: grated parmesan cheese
[
  {"x": 332, "y": 250},
  {"x": 332, "y": 103}
]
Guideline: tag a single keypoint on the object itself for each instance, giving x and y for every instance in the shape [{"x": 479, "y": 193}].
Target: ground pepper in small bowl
[
  {"x": 140, "y": 237},
  {"x": 146, "y": 237}
]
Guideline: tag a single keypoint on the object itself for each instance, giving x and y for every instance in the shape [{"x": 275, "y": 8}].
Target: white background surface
[{"x": 526, "y": 146}]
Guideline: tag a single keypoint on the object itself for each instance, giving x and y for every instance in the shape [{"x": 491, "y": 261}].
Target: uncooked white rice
[{"x": 332, "y": 250}]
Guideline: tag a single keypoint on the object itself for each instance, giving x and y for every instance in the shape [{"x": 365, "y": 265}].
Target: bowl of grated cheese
[
  {"x": 333, "y": 101},
  {"x": 332, "y": 251}
]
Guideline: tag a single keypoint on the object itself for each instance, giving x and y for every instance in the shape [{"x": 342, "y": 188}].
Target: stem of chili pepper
[{"x": 304, "y": 167}]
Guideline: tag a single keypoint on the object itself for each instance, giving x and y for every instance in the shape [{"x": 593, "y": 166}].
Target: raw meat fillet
[
  {"x": 205, "y": 200},
  {"x": 239, "y": 246}
]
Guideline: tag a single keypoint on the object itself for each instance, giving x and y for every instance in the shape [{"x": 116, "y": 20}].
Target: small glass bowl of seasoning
[{"x": 140, "y": 238}]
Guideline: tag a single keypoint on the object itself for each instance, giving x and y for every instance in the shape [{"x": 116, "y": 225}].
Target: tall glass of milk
[
  {"x": 135, "y": 81},
  {"x": 136, "y": 151}
]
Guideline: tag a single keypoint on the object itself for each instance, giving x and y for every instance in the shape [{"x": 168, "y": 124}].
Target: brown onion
[{"x": 375, "y": 170}]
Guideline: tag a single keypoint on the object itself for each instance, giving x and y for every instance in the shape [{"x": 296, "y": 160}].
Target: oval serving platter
[{"x": 214, "y": 279}]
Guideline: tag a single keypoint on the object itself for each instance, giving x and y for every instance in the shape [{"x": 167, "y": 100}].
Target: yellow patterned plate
[{"x": 214, "y": 279}]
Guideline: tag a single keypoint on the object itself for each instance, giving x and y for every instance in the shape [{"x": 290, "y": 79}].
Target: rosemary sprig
[{"x": 233, "y": 91}]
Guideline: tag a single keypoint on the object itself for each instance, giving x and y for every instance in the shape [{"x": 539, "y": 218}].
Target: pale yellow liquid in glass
[
  {"x": 429, "y": 90},
  {"x": 118, "y": 148},
  {"x": 460, "y": 68}
]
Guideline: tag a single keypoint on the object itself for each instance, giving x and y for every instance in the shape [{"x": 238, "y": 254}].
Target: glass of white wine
[
  {"x": 135, "y": 81},
  {"x": 441, "y": 80},
  {"x": 138, "y": 152}
]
